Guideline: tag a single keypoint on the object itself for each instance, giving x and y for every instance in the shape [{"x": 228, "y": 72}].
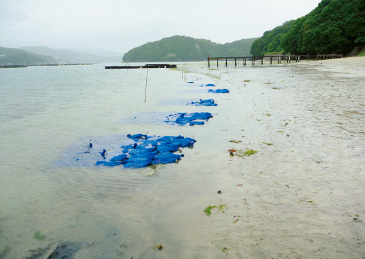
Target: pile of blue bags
[
  {"x": 208, "y": 102},
  {"x": 149, "y": 150},
  {"x": 218, "y": 91},
  {"x": 196, "y": 118}
]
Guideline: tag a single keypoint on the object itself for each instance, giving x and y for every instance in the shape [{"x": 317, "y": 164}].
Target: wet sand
[{"x": 302, "y": 194}]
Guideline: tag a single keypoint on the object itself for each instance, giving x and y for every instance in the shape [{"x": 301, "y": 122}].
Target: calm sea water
[{"x": 49, "y": 114}]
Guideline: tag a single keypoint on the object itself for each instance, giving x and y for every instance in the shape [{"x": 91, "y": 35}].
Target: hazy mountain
[
  {"x": 182, "y": 48},
  {"x": 100, "y": 53},
  {"x": 70, "y": 56},
  {"x": 10, "y": 56}
]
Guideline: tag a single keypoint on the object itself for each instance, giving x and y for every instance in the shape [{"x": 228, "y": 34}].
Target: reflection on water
[{"x": 294, "y": 198}]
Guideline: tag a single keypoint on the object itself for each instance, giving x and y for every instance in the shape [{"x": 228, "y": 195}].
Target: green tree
[
  {"x": 332, "y": 27},
  {"x": 271, "y": 40}
]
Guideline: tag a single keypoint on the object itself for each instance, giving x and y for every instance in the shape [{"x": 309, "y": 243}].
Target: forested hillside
[
  {"x": 270, "y": 42},
  {"x": 182, "y": 48},
  {"x": 335, "y": 26},
  {"x": 10, "y": 56}
]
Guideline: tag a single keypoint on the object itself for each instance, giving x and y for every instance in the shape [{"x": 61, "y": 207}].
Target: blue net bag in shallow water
[
  {"x": 218, "y": 91},
  {"x": 196, "y": 118},
  {"x": 208, "y": 102},
  {"x": 149, "y": 150}
]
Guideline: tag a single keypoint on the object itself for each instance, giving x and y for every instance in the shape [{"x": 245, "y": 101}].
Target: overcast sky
[{"x": 121, "y": 25}]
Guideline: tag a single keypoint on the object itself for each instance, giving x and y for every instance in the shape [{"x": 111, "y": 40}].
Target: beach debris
[
  {"x": 250, "y": 152},
  {"x": 246, "y": 81},
  {"x": 159, "y": 247},
  {"x": 196, "y": 118},
  {"x": 356, "y": 218},
  {"x": 235, "y": 141},
  {"x": 103, "y": 153},
  {"x": 208, "y": 210},
  {"x": 309, "y": 200},
  {"x": 207, "y": 85},
  {"x": 208, "y": 102},
  {"x": 219, "y": 192},
  {"x": 137, "y": 136},
  {"x": 191, "y": 82},
  {"x": 150, "y": 150},
  {"x": 221, "y": 208},
  {"x": 218, "y": 91},
  {"x": 241, "y": 153},
  {"x": 37, "y": 235},
  {"x": 90, "y": 145},
  {"x": 239, "y": 185},
  {"x": 268, "y": 144},
  {"x": 235, "y": 221},
  {"x": 231, "y": 151},
  {"x": 225, "y": 250}
]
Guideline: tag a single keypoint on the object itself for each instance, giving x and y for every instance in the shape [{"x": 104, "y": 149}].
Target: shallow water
[{"x": 296, "y": 198}]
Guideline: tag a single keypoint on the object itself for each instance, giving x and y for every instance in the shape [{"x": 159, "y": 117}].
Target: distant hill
[
  {"x": 100, "y": 53},
  {"x": 10, "y": 56},
  {"x": 70, "y": 56},
  {"x": 182, "y": 48},
  {"x": 334, "y": 26}
]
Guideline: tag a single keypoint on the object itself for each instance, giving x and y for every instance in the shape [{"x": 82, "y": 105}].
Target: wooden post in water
[
  {"x": 226, "y": 62},
  {"x": 217, "y": 62},
  {"x": 145, "y": 89},
  {"x": 235, "y": 62},
  {"x": 244, "y": 61},
  {"x": 271, "y": 60},
  {"x": 208, "y": 61},
  {"x": 262, "y": 60}
]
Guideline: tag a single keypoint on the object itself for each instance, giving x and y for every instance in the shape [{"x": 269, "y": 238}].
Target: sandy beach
[{"x": 302, "y": 194}]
